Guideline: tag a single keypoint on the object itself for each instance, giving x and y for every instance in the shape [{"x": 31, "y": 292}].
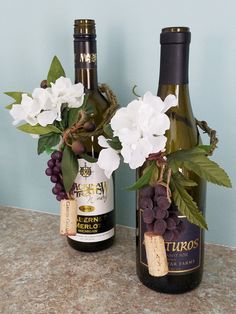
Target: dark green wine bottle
[
  {"x": 93, "y": 191},
  {"x": 184, "y": 255}
]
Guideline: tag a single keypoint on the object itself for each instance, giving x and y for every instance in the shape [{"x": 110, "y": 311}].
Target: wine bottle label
[
  {"x": 95, "y": 205},
  {"x": 183, "y": 255},
  {"x": 85, "y": 55}
]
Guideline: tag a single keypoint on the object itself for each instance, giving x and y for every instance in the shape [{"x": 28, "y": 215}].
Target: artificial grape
[
  {"x": 63, "y": 194},
  {"x": 170, "y": 223},
  {"x": 59, "y": 187},
  {"x": 146, "y": 202},
  {"x": 167, "y": 214},
  {"x": 55, "y": 190},
  {"x": 57, "y": 155},
  {"x": 56, "y": 170},
  {"x": 148, "y": 216},
  {"x": 162, "y": 202},
  {"x": 44, "y": 84},
  {"x": 160, "y": 190},
  {"x": 160, "y": 213},
  {"x": 89, "y": 126},
  {"x": 149, "y": 227},
  {"x": 49, "y": 171},
  {"x": 59, "y": 198},
  {"x": 174, "y": 217},
  {"x": 168, "y": 235},
  {"x": 176, "y": 234},
  {"x": 159, "y": 227},
  {"x": 147, "y": 191},
  {"x": 54, "y": 178},
  {"x": 51, "y": 163},
  {"x": 78, "y": 147},
  {"x": 58, "y": 163}
]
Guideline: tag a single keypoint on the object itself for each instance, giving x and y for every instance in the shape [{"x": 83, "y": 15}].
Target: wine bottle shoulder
[{"x": 183, "y": 133}]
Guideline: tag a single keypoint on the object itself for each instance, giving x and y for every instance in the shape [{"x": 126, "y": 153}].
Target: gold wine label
[
  {"x": 88, "y": 57},
  {"x": 87, "y": 208},
  {"x": 68, "y": 223}
]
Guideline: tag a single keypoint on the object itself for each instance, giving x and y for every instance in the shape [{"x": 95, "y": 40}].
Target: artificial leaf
[
  {"x": 49, "y": 151},
  {"x": 144, "y": 179},
  {"x": 195, "y": 160},
  {"x": 185, "y": 203},
  {"x": 17, "y": 96},
  {"x": 56, "y": 70},
  {"x": 108, "y": 130},
  {"x": 73, "y": 115},
  {"x": 155, "y": 176},
  {"x": 38, "y": 129},
  {"x": 115, "y": 143},
  {"x": 183, "y": 180},
  {"x": 69, "y": 167},
  {"x": 47, "y": 141},
  {"x": 64, "y": 117},
  {"x": 207, "y": 148},
  {"x": 88, "y": 158},
  {"x": 176, "y": 158}
]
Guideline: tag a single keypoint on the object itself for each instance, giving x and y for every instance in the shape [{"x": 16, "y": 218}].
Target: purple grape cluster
[
  {"x": 54, "y": 172},
  {"x": 159, "y": 215}
]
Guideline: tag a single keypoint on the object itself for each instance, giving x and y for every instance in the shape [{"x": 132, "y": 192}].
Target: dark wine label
[
  {"x": 95, "y": 224},
  {"x": 183, "y": 255}
]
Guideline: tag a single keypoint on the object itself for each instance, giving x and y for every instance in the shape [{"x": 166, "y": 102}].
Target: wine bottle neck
[
  {"x": 174, "y": 64},
  {"x": 85, "y": 51}
]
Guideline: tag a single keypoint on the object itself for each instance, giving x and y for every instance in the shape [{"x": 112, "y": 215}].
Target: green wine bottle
[
  {"x": 185, "y": 254},
  {"x": 93, "y": 191}
]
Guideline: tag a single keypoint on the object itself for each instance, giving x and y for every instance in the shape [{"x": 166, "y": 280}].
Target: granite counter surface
[{"x": 40, "y": 273}]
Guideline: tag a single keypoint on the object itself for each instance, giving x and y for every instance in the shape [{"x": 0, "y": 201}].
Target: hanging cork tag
[
  {"x": 156, "y": 254},
  {"x": 68, "y": 221}
]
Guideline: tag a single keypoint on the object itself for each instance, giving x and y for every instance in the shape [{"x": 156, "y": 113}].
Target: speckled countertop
[{"x": 40, "y": 273}]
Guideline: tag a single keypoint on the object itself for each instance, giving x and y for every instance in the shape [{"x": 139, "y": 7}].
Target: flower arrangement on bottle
[{"x": 60, "y": 116}]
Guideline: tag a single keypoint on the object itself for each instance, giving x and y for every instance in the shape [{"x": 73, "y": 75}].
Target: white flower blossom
[
  {"x": 66, "y": 92},
  {"x": 24, "y": 111},
  {"x": 108, "y": 158},
  {"x": 141, "y": 126},
  {"x": 44, "y": 107}
]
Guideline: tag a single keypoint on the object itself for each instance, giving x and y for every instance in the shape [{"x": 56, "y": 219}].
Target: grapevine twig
[{"x": 212, "y": 134}]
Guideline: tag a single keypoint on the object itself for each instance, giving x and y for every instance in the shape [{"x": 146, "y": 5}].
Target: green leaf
[
  {"x": 108, "y": 130},
  {"x": 195, "y": 160},
  {"x": 69, "y": 167},
  {"x": 144, "y": 179},
  {"x": 185, "y": 203},
  {"x": 183, "y": 180},
  {"x": 207, "y": 148},
  {"x": 64, "y": 118},
  {"x": 73, "y": 115},
  {"x": 155, "y": 176},
  {"x": 56, "y": 70},
  {"x": 49, "y": 150},
  {"x": 17, "y": 96},
  {"x": 115, "y": 143},
  {"x": 38, "y": 129},
  {"x": 88, "y": 158},
  {"x": 47, "y": 141}
]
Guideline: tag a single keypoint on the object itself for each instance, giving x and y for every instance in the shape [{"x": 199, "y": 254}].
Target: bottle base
[
  {"x": 171, "y": 284},
  {"x": 90, "y": 247}
]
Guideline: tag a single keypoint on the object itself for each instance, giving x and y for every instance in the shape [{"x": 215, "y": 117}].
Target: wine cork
[
  {"x": 68, "y": 223},
  {"x": 156, "y": 254}
]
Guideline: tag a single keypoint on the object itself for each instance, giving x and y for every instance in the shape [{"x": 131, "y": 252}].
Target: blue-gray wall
[{"x": 32, "y": 32}]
